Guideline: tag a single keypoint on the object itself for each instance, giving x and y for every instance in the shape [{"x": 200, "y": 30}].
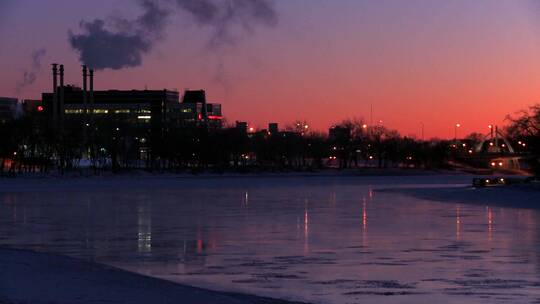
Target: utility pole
[
  {"x": 455, "y": 131},
  {"x": 371, "y": 115}
]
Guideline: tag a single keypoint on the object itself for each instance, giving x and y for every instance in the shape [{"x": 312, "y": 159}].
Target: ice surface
[
  {"x": 29, "y": 277},
  {"x": 322, "y": 240}
]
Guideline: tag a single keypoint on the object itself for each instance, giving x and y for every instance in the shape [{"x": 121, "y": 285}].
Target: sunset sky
[{"x": 416, "y": 61}]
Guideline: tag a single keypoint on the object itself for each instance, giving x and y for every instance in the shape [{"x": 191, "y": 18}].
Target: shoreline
[
  {"x": 512, "y": 196},
  {"x": 319, "y": 173},
  {"x": 34, "y": 277}
]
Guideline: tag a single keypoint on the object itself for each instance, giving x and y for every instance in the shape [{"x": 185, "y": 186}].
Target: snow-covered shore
[
  {"x": 516, "y": 196},
  {"x": 31, "y": 277}
]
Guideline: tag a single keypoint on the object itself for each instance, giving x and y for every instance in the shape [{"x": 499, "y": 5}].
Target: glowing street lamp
[
  {"x": 491, "y": 130},
  {"x": 458, "y": 125}
]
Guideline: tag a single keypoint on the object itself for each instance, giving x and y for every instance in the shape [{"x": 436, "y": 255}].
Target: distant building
[
  {"x": 339, "y": 135},
  {"x": 194, "y": 96},
  {"x": 134, "y": 107},
  {"x": 273, "y": 128},
  {"x": 195, "y": 109},
  {"x": 242, "y": 126},
  {"x": 31, "y": 106},
  {"x": 8, "y": 109},
  {"x": 144, "y": 113},
  {"x": 138, "y": 120}
]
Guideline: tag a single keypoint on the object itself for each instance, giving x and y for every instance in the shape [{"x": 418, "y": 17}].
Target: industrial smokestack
[
  {"x": 85, "y": 92},
  {"x": 91, "y": 96},
  {"x": 55, "y": 94},
  {"x": 61, "y": 106},
  {"x": 91, "y": 90},
  {"x": 85, "y": 105}
]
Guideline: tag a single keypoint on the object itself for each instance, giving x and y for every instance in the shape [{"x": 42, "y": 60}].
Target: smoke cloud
[
  {"x": 30, "y": 75},
  {"x": 230, "y": 19},
  {"x": 116, "y": 43}
]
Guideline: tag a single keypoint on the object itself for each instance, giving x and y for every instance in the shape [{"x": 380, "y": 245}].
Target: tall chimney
[
  {"x": 61, "y": 106},
  {"x": 55, "y": 94},
  {"x": 91, "y": 90},
  {"x": 85, "y": 105},
  {"x": 85, "y": 92},
  {"x": 91, "y": 97}
]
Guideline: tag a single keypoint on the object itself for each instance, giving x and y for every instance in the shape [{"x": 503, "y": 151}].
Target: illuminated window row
[{"x": 105, "y": 111}]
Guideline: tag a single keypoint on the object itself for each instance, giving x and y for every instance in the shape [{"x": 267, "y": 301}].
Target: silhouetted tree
[{"x": 525, "y": 127}]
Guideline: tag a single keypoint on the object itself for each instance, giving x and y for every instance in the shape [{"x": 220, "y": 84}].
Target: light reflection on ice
[
  {"x": 324, "y": 240},
  {"x": 144, "y": 223}
]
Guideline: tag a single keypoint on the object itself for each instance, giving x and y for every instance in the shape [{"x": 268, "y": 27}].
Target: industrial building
[
  {"x": 31, "y": 106},
  {"x": 145, "y": 107},
  {"x": 8, "y": 109},
  {"x": 144, "y": 115},
  {"x": 195, "y": 109},
  {"x": 155, "y": 108}
]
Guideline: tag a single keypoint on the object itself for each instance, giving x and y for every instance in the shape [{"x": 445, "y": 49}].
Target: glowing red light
[
  {"x": 40, "y": 108},
  {"x": 200, "y": 116},
  {"x": 214, "y": 117}
]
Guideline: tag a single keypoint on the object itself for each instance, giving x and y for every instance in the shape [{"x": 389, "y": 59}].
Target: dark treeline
[
  {"x": 526, "y": 127},
  {"x": 31, "y": 145}
]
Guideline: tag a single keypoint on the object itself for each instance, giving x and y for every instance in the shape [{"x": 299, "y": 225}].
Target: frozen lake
[{"x": 316, "y": 239}]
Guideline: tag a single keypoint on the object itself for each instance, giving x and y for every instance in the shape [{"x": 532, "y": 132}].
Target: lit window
[{"x": 73, "y": 111}]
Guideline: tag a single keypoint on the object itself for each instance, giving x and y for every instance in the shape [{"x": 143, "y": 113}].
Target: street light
[{"x": 458, "y": 125}]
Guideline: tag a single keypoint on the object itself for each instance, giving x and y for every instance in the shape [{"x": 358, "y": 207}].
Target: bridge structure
[{"x": 494, "y": 151}]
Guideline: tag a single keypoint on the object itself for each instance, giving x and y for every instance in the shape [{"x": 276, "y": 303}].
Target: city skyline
[{"x": 322, "y": 63}]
